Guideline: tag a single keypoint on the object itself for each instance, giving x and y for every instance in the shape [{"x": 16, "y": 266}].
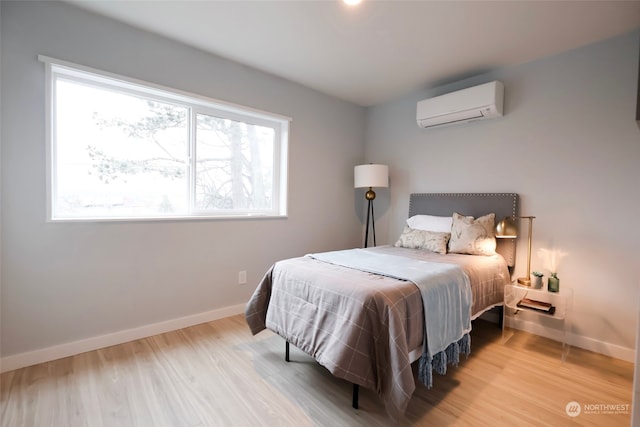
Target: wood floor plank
[{"x": 217, "y": 374}]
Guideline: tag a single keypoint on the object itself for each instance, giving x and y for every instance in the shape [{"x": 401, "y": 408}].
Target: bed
[{"x": 368, "y": 314}]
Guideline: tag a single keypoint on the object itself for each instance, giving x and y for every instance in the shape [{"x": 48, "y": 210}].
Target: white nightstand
[{"x": 514, "y": 294}]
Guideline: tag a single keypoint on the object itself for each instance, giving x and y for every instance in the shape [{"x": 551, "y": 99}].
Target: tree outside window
[{"x": 121, "y": 152}]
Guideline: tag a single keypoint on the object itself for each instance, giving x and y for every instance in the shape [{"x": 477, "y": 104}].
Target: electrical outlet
[{"x": 242, "y": 277}]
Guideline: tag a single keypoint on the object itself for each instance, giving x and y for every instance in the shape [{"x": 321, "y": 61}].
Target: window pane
[
  {"x": 122, "y": 149},
  {"x": 118, "y": 154},
  {"x": 234, "y": 165}
]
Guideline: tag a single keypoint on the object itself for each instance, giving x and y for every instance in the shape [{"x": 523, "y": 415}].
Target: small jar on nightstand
[{"x": 553, "y": 284}]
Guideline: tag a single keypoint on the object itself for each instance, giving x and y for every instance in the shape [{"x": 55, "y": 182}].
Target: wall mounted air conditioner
[{"x": 474, "y": 103}]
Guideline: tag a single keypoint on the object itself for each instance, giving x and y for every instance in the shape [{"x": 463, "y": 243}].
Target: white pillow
[
  {"x": 473, "y": 236},
  {"x": 422, "y": 239},
  {"x": 439, "y": 224}
]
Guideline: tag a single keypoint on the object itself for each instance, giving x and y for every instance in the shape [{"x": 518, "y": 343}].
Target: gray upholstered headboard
[{"x": 475, "y": 204}]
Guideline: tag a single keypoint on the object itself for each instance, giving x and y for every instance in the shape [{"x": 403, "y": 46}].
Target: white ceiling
[{"x": 380, "y": 49}]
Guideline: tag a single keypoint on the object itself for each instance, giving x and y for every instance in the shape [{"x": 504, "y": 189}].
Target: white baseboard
[
  {"x": 17, "y": 361},
  {"x": 608, "y": 349}
]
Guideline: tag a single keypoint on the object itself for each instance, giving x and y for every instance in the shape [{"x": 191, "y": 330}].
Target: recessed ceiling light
[{"x": 352, "y": 2}]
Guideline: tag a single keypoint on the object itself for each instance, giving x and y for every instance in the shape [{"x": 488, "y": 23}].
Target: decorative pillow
[
  {"x": 422, "y": 239},
  {"x": 440, "y": 224},
  {"x": 473, "y": 236}
]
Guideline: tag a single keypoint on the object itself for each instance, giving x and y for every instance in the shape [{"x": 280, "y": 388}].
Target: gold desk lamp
[{"x": 507, "y": 229}]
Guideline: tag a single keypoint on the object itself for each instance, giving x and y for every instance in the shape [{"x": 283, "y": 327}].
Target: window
[{"x": 121, "y": 149}]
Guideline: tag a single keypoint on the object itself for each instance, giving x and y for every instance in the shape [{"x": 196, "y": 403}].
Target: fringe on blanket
[{"x": 439, "y": 362}]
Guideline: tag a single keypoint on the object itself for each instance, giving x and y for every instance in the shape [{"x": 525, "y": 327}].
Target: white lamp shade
[{"x": 371, "y": 176}]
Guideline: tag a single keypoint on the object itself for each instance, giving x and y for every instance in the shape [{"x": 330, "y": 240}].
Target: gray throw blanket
[{"x": 446, "y": 295}]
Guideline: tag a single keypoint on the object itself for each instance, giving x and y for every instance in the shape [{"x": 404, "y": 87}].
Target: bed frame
[{"x": 445, "y": 204}]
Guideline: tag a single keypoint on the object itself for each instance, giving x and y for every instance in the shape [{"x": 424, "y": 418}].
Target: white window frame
[{"x": 195, "y": 104}]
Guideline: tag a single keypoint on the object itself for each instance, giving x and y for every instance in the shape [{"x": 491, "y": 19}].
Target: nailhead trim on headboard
[{"x": 467, "y": 204}]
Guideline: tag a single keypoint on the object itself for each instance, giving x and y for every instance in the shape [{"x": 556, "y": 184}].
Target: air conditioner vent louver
[{"x": 474, "y": 103}]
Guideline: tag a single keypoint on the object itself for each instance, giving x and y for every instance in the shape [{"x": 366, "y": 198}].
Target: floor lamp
[
  {"x": 369, "y": 176},
  {"x": 507, "y": 229}
]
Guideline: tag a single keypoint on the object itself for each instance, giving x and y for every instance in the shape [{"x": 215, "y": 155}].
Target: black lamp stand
[{"x": 370, "y": 195}]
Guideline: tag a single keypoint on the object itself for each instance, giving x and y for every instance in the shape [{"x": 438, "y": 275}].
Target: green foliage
[
  {"x": 109, "y": 168},
  {"x": 161, "y": 118},
  {"x": 228, "y": 163}
]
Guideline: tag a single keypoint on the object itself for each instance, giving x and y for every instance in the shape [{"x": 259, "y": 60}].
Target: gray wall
[
  {"x": 569, "y": 145},
  {"x": 66, "y": 282}
]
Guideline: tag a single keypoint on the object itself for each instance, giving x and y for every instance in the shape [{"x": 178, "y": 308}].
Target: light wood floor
[{"x": 217, "y": 374}]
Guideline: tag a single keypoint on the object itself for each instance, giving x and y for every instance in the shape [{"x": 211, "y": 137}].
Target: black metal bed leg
[
  {"x": 356, "y": 389},
  {"x": 500, "y": 316}
]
